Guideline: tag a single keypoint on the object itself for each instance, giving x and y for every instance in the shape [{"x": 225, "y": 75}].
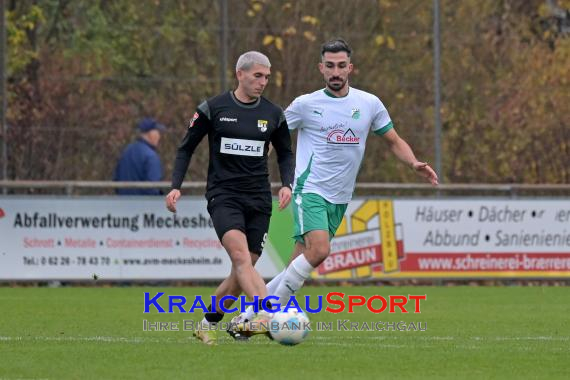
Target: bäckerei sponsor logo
[{"x": 341, "y": 137}]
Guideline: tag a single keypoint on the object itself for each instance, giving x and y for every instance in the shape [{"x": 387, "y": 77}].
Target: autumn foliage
[{"x": 80, "y": 74}]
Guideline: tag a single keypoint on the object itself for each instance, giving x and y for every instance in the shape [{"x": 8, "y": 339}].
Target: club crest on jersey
[
  {"x": 355, "y": 113},
  {"x": 194, "y": 118},
  {"x": 262, "y": 125}
]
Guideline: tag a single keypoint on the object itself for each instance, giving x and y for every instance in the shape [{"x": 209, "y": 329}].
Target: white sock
[
  {"x": 205, "y": 323},
  {"x": 274, "y": 283},
  {"x": 271, "y": 288},
  {"x": 294, "y": 278}
]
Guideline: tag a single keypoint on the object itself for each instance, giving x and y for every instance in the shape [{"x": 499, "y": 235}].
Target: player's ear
[
  {"x": 321, "y": 67},
  {"x": 350, "y": 67}
]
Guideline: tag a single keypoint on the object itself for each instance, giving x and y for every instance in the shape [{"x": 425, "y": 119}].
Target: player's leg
[
  {"x": 228, "y": 287},
  {"x": 284, "y": 284},
  {"x": 228, "y": 216},
  {"x": 257, "y": 221},
  {"x": 316, "y": 250},
  {"x": 249, "y": 280},
  {"x": 309, "y": 213},
  {"x": 243, "y": 274},
  {"x": 274, "y": 283},
  {"x": 271, "y": 285},
  {"x": 316, "y": 222},
  {"x": 321, "y": 219}
]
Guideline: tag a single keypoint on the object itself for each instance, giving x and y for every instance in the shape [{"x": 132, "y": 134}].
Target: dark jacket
[{"x": 139, "y": 162}]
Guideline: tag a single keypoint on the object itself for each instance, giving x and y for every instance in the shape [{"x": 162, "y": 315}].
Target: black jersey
[{"x": 238, "y": 135}]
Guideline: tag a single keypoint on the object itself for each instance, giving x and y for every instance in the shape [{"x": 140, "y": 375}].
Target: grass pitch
[{"x": 472, "y": 333}]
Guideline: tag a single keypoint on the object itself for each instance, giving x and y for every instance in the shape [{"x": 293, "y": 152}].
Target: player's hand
[
  {"x": 171, "y": 199},
  {"x": 284, "y": 197},
  {"x": 423, "y": 169}
]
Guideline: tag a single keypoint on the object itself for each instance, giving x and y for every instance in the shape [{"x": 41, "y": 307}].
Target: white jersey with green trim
[{"x": 331, "y": 140}]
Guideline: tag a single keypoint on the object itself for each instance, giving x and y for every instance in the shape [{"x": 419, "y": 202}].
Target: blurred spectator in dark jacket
[{"x": 140, "y": 161}]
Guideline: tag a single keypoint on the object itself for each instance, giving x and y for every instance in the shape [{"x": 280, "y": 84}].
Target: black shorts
[{"x": 248, "y": 213}]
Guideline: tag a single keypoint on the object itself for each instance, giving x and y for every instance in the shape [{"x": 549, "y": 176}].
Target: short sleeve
[
  {"x": 381, "y": 122},
  {"x": 294, "y": 114}
]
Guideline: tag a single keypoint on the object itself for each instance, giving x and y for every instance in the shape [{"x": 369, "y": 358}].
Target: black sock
[{"x": 213, "y": 317}]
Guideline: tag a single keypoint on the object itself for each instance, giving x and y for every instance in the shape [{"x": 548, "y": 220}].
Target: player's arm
[
  {"x": 198, "y": 128},
  {"x": 402, "y": 150},
  {"x": 281, "y": 142}
]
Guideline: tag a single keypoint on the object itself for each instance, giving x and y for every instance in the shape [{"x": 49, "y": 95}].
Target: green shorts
[{"x": 313, "y": 212}]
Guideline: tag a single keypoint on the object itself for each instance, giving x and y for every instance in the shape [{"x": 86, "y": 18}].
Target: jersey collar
[
  {"x": 330, "y": 94},
  {"x": 244, "y": 105}
]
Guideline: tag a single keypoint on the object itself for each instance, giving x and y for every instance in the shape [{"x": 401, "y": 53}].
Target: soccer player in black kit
[{"x": 240, "y": 126}]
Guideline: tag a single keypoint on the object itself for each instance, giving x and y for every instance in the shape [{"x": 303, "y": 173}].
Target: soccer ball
[{"x": 289, "y": 327}]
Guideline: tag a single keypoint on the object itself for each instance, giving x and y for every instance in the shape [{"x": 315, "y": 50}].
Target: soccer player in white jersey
[{"x": 333, "y": 124}]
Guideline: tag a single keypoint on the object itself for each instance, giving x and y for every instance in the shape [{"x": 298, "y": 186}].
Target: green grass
[{"x": 472, "y": 333}]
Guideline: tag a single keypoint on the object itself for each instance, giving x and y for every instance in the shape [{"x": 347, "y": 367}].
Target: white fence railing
[{"x": 508, "y": 189}]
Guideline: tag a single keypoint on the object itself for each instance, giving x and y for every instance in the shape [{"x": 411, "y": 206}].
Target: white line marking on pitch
[
  {"x": 412, "y": 336},
  {"x": 318, "y": 340}
]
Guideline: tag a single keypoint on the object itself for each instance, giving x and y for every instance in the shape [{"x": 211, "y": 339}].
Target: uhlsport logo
[
  {"x": 340, "y": 137},
  {"x": 262, "y": 125}
]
